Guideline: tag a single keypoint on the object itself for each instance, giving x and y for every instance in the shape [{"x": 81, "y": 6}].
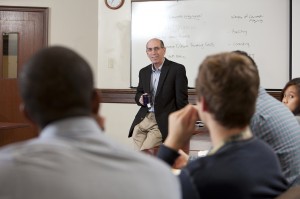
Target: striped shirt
[{"x": 276, "y": 125}]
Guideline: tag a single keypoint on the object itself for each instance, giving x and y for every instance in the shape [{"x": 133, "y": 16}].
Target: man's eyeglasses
[{"x": 155, "y": 49}]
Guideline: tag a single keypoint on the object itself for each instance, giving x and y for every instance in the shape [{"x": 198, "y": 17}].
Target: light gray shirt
[
  {"x": 73, "y": 159},
  {"x": 154, "y": 83},
  {"x": 298, "y": 118}
]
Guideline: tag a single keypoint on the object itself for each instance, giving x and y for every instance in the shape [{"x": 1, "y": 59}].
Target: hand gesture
[{"x": 181, "y": 127}]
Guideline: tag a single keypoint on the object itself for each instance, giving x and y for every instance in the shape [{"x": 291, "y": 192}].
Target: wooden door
[{"x": 30, "y": 24}]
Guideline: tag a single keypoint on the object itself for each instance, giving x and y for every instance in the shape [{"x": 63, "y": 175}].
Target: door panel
[{"x": 31, "y": 26}]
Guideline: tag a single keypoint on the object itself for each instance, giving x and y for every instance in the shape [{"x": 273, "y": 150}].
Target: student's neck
[{"x": 219, "y": 134}]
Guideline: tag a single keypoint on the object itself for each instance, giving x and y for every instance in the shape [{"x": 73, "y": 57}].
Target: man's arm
[
  {"x": 188, "y": 189},
  {"x": 181, "y": 128},
  {"x": 167, "y": 154},
  {"x": 139, "y": 91}
]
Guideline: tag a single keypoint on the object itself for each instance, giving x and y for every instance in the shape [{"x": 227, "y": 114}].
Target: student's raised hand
[{"x": 181, "y": 127}]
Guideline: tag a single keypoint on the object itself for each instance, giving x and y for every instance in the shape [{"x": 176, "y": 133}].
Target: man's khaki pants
[{"x": 146, "y": 134}]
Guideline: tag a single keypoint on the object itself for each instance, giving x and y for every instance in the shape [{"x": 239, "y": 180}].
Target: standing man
[{"x": 166, "y": 84}]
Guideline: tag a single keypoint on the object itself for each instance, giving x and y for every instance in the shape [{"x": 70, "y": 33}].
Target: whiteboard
[
  {"x": 193, "y": 29},
  {"x": 295, "y": 38}
]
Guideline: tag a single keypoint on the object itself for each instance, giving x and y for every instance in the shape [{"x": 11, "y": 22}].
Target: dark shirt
[{"x": 239, "y": 169}]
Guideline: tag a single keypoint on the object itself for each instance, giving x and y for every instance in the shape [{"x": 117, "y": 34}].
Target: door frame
[
  {"x": 19, "y": 128},
  {"x": 45, "y": 13},
  {"x": 43, "y": 10}
]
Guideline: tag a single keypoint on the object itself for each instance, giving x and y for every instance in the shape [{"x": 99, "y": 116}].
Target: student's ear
[
  {"x": 25, "y": 112},
  {"x": 202, "y": 108},
  {"x": 202, "y": 105},
  {"x": 96, "y": 100}
]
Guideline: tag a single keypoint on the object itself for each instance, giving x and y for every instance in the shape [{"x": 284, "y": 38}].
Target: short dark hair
[
  {"x": 229, "y": 83},
  {"x": 56, "y": 83},
  {"x": 246, "y": 55},
  {"x": 292, "y": 82}
]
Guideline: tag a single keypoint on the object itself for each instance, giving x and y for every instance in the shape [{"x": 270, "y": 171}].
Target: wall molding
[{"x": 126, "y": 96}]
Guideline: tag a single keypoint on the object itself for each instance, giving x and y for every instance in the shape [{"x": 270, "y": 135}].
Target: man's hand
[{"x": 141, "y": 99}]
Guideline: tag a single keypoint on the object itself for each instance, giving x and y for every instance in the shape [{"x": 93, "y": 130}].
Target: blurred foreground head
[
  {"x": 228, "y": 82},
  {"x": 56, "y": 83}
]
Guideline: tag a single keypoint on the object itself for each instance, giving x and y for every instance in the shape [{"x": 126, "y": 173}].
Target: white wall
[
  {"x": 118, "y": 119},
  {"x": 71, "y": 23},
  {"x": 114, "y": 67},
  {"x": 114, "y": 46},
  {"x": 98, "y": 34}
]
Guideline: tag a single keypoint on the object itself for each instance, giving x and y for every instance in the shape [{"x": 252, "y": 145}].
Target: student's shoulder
[
  {"x": 298, "y": 118},
  {"x": 11, "y": 149},
  {"x": 152, "y": 162},
  {"x": 9, "y": 154},
  {"x": 144, "y": 161},
  {"x": 31, "y": 148}
]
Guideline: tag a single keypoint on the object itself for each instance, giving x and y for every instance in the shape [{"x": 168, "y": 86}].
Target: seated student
[
  {"x": 72, "y": 158},
  {"x": 273, "y": 123},
  {"x": 239, "y": 165},
  {"x": 290, "y": 96}
]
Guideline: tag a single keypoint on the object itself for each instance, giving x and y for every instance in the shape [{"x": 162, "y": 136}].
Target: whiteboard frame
[
  {"x": 295, "y": 41},
  {"x": 288, "y": 42}
]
